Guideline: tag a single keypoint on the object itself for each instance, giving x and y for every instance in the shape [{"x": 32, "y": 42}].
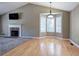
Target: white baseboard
[
  {"x": 74, "y": 43},
  {"x": 26, "y": 36},
  {"x": 37, "y": 37}
]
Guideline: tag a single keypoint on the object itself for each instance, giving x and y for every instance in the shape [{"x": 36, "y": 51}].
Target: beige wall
[
  {"x": 0, "y": 26},
  {"x": 30, "y": 17},
  {"x": 66, "y": 25},
  {"x": 74, "y": 25}
]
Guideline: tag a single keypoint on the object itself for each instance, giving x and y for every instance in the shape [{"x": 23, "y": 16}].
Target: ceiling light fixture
[{"x": 50, "y": 15}]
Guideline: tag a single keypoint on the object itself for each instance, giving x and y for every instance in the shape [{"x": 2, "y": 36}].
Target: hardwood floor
[{"x": 47, "y": 46}]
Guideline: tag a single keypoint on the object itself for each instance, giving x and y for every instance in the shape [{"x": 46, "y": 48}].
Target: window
[
  {"x": 50, "y": 25},
  {"x": 43, "y": 24},
  {"x": 58, "y": 24},
  {"x": 51, "y": 22}
]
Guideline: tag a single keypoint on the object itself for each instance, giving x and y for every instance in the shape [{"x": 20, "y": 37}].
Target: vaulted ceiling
[{"x": 8, "y": 6}]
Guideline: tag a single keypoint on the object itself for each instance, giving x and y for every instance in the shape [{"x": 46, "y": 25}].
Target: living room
[{"x": 26, "y": 25}]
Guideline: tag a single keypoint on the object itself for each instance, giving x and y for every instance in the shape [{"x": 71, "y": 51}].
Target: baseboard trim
[
  {"x": 74, "y": 43},
  {"x": 37, "y": 37},
  {"x": 26, "y": 36}
]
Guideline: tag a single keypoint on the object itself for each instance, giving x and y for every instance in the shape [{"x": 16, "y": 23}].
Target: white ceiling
[
  {"x": 8, "y": 6},
  {"x": 67, "y": 6}
]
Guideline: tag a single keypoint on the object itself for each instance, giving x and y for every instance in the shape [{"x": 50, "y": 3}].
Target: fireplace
[
  {"x": 15, "y": 33},
  {"x": 15, "y": 30}
]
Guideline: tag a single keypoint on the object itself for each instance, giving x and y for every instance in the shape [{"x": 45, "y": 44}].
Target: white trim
[
  {"x": 26, "y": 36},
  {"x": 38, "y": 37},
  {"x": 74, "y": 43}
]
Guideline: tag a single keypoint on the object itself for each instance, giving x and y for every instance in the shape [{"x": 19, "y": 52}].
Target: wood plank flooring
[{"x": 47, "y": 46}]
